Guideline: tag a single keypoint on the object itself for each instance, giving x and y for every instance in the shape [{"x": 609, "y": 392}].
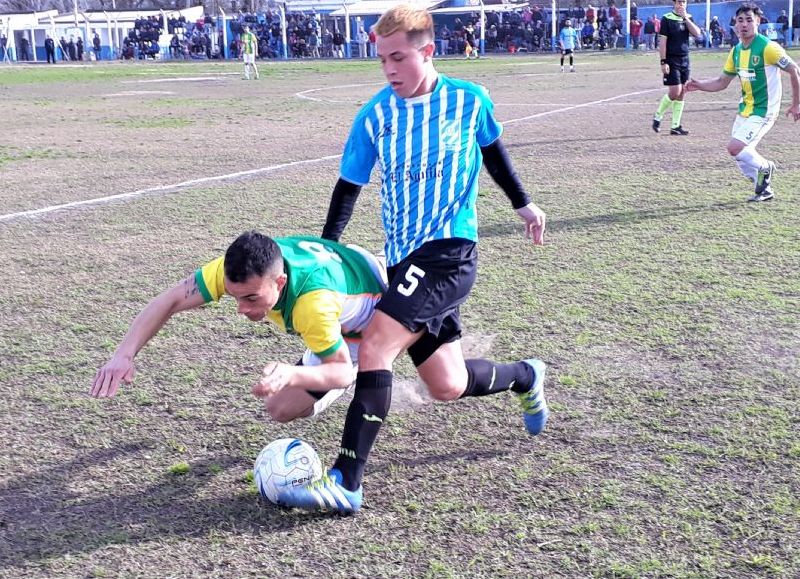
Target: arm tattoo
[{"x": 190, "y": 283}]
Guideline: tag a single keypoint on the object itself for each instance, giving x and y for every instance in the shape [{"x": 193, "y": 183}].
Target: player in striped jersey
[
  {"x": 429, "y": 134},
  {"x": 757, "y": 61},
  {"x": 319, "y": 289}
]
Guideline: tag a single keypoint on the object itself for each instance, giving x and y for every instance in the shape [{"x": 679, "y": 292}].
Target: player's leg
[
  {"x": 672, "y": 81},
  {"x": 563, "y": 53},
  {"x": 745, "y": 136},
  {"x": 418, "y": 287},
  {"x": 255, "y": 68},
  {"x": 571, "y": 62},
  {"x": 246, "y": 62},
  {"x": 677, "y": 94},
  {"x": 441, "y": 365}
]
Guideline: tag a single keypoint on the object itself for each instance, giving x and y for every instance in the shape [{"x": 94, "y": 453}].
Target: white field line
[
  {"x": 625, "y": 104},
  {"x": 184, "y": 184},
  {"x": 580, "y": 106},
  {"x": 164, "y": 188},
  {"x": 304, "y": 94}
]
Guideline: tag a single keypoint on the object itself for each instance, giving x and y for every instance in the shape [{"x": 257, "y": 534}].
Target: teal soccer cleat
[
  {"x": 324, "y": 494},
  {"x": 534, "y": 406}
]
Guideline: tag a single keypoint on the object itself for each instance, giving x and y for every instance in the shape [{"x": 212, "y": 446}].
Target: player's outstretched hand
[
  {"x": 794, "y": 112},
  {"x": 274, "y": 378},
  {"x": 692, "y": 85},
  {"x": 106, "y": 381},
  {"x": 535, "y": 220}
]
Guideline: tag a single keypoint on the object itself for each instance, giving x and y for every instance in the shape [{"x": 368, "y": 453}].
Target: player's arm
[
  {"x": 184, "y": 296},
  {"x": 315, "y": 317},
  {"x": 790, "y": 67},
  {"x": 336, "y": 371},
  {"x": 711, "y": 84},
  {"x": 498, "y": 164},
  {"x": 340, "y": 210}
]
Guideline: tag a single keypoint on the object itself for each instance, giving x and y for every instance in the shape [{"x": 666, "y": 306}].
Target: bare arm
[
  {"x": 336, "y": 371},
  {"x": 693, "y": 28},
  {"x": 794, "y": 79},
  {"x": 184, "y": 296},
  {"x": 710, "y": 85}
]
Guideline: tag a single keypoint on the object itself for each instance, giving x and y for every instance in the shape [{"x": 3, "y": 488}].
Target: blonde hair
[{"x": 417, "y": 23}]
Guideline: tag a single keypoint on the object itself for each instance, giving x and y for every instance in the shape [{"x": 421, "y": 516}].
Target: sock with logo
[
  {"x": 485, "y": 377},
  {"x": 662, "y": 107},
  {"x": 750, "y": 161},
  {"x": 365, "y": 416},
  {"x": 677, "y": 112}
]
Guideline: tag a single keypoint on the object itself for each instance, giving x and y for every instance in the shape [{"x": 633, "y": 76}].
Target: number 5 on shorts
[{"x": 413, "y": 275}]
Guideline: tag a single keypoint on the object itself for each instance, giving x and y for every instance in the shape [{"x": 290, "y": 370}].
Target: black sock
[
  {"x": 370, "y": 406},
  {"x": 562, "y": 61},
  {"x": 570, "y": 60},
  {"x": 485, "y": 377}
]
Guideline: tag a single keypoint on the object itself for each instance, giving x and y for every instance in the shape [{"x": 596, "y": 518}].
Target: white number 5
[{"x": 413, "y": 275}]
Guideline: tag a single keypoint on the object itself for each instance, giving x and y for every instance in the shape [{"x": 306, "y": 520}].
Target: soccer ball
[{"x": 286, "y": 462}]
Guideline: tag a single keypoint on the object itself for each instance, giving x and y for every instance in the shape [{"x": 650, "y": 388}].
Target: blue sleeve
[
  {"x": 359, "y": 152},
  {"x": 488, "y": 128}
]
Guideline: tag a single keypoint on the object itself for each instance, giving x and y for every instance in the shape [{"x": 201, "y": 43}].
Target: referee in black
[{"x": 673, "y": 47}]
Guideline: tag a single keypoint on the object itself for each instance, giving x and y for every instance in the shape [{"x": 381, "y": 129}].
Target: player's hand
[
  {"x": 106, "y": 381},
  {"x": 692, "y": 85},
  {"x": 665, "y": 68},
  {"x": 535, "y": 220},
  {"x": 794, "y": 112},
  {"x": 274, "y": 378}
]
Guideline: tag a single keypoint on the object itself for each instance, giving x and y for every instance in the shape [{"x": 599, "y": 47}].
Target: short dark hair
[
  {"x": 749, "y": 7},
  {"x": 252, "y": 253}
]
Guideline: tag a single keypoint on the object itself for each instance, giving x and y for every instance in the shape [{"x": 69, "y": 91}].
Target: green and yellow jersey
[
  {"x": 249, "y": 43},
  {"x": 330, "y": 293},
  {"x": 758, "y": 67}
]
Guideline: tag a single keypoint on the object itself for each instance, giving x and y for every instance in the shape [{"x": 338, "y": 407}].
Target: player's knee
[
  {"x": 734, "y": 148},
  {"x": 282, "y": 413},
  {"x": 446, "y": 388}
]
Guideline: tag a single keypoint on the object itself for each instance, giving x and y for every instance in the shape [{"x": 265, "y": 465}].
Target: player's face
[
  {"x": 405, "y": 64},
  {"x": 747, "y": 25},
  {"x": 257, "y": 295},
  {"x": 679, "y": 7}
]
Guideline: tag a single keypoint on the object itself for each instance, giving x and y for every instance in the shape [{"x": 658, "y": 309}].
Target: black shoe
[
  {"x": 679, "y": 130},
  {"x": 764, "y": 179},
  {"x": 657, "y": 125},
  {"x": 766, "y": 195}
]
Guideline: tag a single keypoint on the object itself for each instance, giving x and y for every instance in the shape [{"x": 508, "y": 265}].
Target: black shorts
[
  {"x": 566, "y": 51},
  {"x": 426, "y": 289},
  {"x": 678, "y": 71}
]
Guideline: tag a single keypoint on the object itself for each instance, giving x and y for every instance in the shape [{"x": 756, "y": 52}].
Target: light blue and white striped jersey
[
  {"x": 569, "y": 38},
  {"x": 430, "y": 158}
]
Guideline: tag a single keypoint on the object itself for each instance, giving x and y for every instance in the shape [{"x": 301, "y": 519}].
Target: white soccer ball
[{"x": 286, "y": 462}]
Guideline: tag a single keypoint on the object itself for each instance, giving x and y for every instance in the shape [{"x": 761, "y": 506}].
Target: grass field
[{"x": 665, "y": 306}]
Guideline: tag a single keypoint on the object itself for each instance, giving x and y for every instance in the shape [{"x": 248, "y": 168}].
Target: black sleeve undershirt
[
  {"x": 343, "y": 200},
  {"x": 497, "y": 162}
]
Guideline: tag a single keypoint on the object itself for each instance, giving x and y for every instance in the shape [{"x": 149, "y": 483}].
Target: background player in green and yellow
[
  {"x": 758, "y": 62},
  {"x": 249, "y": 42},
  {"x": 319, "y": 289}
]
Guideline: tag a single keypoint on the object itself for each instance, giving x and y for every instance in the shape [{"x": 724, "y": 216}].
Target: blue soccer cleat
[
  {"x": 534, "y": 406},
  {"x": 324, "y": 494}
]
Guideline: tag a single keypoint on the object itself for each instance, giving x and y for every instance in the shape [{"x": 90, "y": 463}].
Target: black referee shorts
[{"x": 678, "y": 71}]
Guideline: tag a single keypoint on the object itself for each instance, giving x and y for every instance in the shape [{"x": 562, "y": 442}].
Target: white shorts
[
  {"x": 249, "y": 58},
  {"x": 752, "y": 129}
]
